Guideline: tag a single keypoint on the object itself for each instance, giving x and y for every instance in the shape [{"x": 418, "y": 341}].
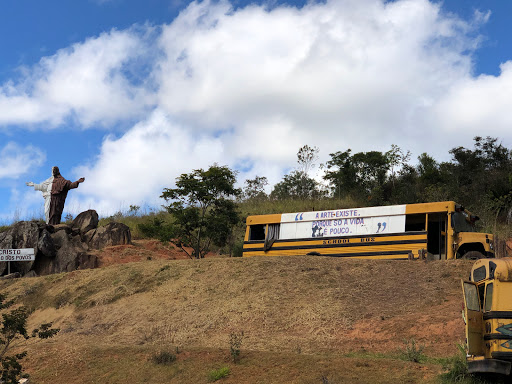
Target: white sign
[
  {"x": 343, "y": 222},
  {"x": 24, "y": 254}
]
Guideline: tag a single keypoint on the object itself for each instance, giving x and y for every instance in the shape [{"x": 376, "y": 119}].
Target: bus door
[
  {"x": 473, "y": 319},
  {"x": 436, "y": 234}
]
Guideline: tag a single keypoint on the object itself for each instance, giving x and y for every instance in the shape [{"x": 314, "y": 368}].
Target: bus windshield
[{"x": 460, "y": 222}]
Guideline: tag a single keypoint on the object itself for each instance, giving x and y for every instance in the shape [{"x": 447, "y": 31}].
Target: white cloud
[
  {"x": 340, "y": 74},
  {"x": 477, "y": 106},
  {"x": 16, "y": 160},
  {"x": 91, "y": 82},
  {"x": 137, "y": 166},
  {"x": 248, "y": 87},
  {"x": 258, "y": 84}
]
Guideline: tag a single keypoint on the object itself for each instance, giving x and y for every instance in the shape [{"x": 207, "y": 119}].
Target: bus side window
[
  {"x": 257, "y": 232},
  {"x": 471, "y": 293},
  {"x": 415, "y": 222},
  {"x": 488, "y": 297}
]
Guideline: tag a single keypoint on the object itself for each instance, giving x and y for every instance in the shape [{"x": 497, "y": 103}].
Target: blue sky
[{"x": 131, "y": 94}]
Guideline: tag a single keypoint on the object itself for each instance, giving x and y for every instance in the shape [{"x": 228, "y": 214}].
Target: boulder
[
  {"x": 87, "y": 261},
  {"x": 63, "y": 247},
  {"x": 112, "y": 234},
  {"x": 68, "y": 250},
  {"x": 70, "y": 254},
  {"x": 61, "y": 227},
  {"x": 23, "y": 234},
  {"x": 85, "y": 221},
  {"x": 45, "y": 244},
  {"x": 87, "y": 237}
]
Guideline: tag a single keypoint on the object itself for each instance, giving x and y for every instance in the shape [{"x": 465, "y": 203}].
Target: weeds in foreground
[
  {"x": 235, "y": 342},
  {"x": 457, "y": 371},
  {"x": 217, "y": 374},
  {"x": 164, "y": 358},
  {"x": 413, "y": 352},
  {"x": 326, "y": 380},
  {"x": 457, "y": 367}
]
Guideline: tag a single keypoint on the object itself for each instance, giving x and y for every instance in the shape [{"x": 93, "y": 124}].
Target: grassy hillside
[{"x": 304, "y": 320}]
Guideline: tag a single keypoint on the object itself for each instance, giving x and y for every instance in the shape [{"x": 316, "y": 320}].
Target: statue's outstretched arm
[
  {"x": 74, "y": 184},
  {"x": 30, "y": 184}
]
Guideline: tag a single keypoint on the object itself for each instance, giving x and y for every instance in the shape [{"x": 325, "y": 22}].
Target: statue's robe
[
  {"x": 60, "y": 188},
  {"x": 46, "y": 188}
]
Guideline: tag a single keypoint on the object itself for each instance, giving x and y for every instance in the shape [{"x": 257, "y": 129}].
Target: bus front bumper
[{"x": 489, "y": 366}]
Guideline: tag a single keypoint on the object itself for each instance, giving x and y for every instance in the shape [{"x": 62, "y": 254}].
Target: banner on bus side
[{"x": 343, "y": 222}]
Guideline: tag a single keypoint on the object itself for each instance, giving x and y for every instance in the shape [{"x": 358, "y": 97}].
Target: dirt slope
[{"x": 305, "y": 319}]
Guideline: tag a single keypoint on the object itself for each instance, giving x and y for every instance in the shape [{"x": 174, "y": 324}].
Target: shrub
[
  {"x": 235, "y": 342},
  {"x": 217, "y": 374},
  {"x": 238, "y": 249},
  {"x": 164, "y": 358},
  {"x": 412, "y": 351},
  {"x": 457, "y": 369},
  {"x": 12, "y": 328},
  {"x": 157, "y": 228}
]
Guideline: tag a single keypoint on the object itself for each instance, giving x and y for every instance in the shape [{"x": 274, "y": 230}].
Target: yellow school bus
[
  {"x": 488, "y": 316},
  {"x": 441, "y": 230}
]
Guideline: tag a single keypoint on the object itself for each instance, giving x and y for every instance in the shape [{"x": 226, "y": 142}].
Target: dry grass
[{"x": 300, "y": 316}]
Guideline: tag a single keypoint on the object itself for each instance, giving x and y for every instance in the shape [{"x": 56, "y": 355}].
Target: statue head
[{"x": 55, "y": 171}]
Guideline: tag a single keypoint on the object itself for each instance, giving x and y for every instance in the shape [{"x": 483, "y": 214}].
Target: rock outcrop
[{"x": 63, "y": 247}]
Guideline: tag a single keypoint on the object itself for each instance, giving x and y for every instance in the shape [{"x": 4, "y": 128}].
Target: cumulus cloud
[
  {"x": 137, "y": 166},
  {"x": 477, "y": 105},
  {"x": 247, "y": 87},
  {"x": 338, "y": 74},
  {"x": 16, "y": 160},
  {"x": 94, "y": 81}
]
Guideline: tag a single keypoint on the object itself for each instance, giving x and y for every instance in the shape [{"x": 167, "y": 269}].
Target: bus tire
[{"x": 473, "y": 255}]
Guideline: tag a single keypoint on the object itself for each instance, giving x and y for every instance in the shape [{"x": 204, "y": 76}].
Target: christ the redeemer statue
[{"x": 55, "y": 189}]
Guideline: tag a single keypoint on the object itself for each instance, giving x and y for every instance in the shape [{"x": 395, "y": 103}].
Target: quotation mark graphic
[{"x": 379, "y": 225}]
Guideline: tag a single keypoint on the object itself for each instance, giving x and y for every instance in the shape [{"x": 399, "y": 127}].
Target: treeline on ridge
[{"x": 206, "y": 210}]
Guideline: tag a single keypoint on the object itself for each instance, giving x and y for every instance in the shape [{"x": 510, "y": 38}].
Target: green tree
[
  {"x": 341, "y": 173},
  {"x": 481, "y": 175},
  {"x": 202, "y": 206},
  {"x": 14, "y": 327},
  {"x": 306, "y": 158},
  {"x": 296, "y": 185},
  {"x": 428, "y": 169},
  {"x": 372, "y": 168},
  {"x": 255, "y": 188},
  {"x": 433, "y": 181},
  {"x": 397, "y": 160},
  {"x": 361, "y": 176}
]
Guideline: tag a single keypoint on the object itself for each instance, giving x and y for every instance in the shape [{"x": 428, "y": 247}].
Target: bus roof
[{"x": 499, "y": 269}]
